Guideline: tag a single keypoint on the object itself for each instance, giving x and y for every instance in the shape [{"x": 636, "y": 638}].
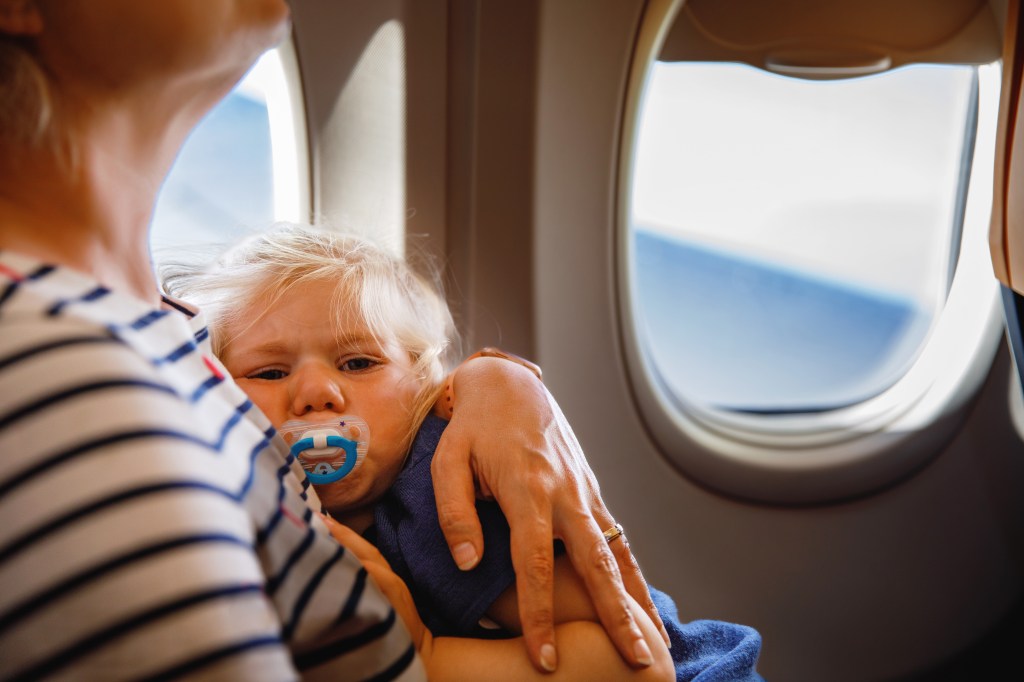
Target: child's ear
[{"x": 20, "y": 18}]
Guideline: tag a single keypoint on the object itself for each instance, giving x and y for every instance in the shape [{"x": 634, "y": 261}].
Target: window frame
[
  {"x": 289, "y": 140},
  {"x": 837, "y": 454},
  {"x": 288, "y": 160}
]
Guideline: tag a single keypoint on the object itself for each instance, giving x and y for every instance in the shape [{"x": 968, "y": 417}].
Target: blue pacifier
[{"x": 329, "y": 449}]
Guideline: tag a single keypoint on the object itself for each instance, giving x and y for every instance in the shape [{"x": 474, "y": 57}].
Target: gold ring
[{"x": 613, "y": 533}]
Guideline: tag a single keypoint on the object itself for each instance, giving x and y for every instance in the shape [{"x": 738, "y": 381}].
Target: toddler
[{"x": 345, "y": 349}]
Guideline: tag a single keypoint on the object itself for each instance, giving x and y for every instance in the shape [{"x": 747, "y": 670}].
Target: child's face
[{"x": 298, "y": 362}]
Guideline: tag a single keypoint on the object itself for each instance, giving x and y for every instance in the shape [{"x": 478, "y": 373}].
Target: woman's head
[{"x": 61, "y": 58}]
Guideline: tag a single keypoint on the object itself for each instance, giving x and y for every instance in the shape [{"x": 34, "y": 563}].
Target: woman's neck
[{"x": 89, "y": 211}]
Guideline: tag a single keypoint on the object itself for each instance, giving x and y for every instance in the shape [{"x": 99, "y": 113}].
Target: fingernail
[
  {"x": 549, "y": 658},
  {"x": 465, "y": 556},
  {"x": 642, "y": 653}
]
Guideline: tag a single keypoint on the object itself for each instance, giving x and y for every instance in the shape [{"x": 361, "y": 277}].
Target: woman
[{"x": 150, "y": 527}]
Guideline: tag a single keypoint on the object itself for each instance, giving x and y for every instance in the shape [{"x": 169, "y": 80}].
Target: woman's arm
[
  {"x": 509, "y": 441},
  {"x": 587, "y": 651}
]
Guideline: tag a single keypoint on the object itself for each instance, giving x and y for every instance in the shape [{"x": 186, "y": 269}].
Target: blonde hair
[{"x": 395, "y": 302}]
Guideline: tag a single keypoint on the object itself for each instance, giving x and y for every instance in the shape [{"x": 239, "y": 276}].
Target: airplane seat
[{"x": 1006, "y": 237}]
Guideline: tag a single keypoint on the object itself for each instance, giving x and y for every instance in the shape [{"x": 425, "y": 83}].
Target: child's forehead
[
  {"x": 328, "y": 305},
  {"x": 316, "y": 296}
]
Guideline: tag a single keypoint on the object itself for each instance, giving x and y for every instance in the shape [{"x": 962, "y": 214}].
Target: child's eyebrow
[
  {"x": 357, "y": 339},
  {"x": 269, "y": 348}
]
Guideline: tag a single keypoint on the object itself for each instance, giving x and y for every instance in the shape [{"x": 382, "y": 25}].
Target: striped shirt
[{"x": 152, "y": 525}]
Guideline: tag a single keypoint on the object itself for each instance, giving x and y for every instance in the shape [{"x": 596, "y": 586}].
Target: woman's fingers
[
  {"x": 533, "y": 557},
  {"x": 634, "y": 582},
  {"x": 455, "y": 495},
  {"x": 363, "y": 550},
  {"x": 593, "y": 560}
]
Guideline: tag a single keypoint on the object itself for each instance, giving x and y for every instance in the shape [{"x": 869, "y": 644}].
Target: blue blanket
[{"x": 709, "y": 650}]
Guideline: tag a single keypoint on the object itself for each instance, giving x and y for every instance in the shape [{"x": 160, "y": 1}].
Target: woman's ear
[{"x": 20, "y": 18}]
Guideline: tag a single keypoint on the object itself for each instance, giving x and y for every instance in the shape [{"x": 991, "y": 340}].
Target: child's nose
[{"x": 317, "y": 391}]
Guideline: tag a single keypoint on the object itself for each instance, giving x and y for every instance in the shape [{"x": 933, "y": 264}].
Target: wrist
[{"x": 446, "y": 403}]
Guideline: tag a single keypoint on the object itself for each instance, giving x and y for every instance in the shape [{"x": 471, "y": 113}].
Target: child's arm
[{"x": 585, "y": 650}]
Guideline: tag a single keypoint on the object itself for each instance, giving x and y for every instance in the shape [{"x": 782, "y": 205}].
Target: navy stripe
[
  {"x": 203, "y": 388},
  {"x": 201, "y": 335},
  {"x": 96, "y": 294},
  {"x": 309, "y": 659},
  {"x": 210, "y": 658},
  {"x": 68, "y": 655},
  {"x": 8, "y": 291},
  {"x": 278, "y": 514},
  {"x": 66, "y": 586},
  {"x": 147, "y": 319},
  {"x": 49, "y": 401},
  {"x": 54, "y": 345},
  {"x": 307, "y": 593},
  {"x": 230, "y": 424},
  {"x": 177, "y": 354},
  {"x": 394, "y": 670},
  {"x": 81, "y": 513},
  {"x": 39, "y": 273},
  {"x": 177, "y": 306},
  {"x": 264, "y": 534},
  {"x": 275, "y": 582},
  {"x": 253, "y": 454},
  {"x": 276, "y": 517},
  {"x": 61, "y": 458},
  {"x": 352, "y": 603}
]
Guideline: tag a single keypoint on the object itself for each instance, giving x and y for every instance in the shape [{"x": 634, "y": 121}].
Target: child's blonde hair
[{"x": 395, "y": 302}]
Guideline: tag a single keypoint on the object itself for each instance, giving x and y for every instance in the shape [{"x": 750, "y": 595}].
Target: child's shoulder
[{"x": 421, "y": 452}]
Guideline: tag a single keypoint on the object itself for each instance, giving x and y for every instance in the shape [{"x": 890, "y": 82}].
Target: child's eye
[
  {"x": 268, "y": 374},
  {"x": 357, "y": 364}
]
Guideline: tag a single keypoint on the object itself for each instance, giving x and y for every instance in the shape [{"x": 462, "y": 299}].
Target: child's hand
[{"x": 393, "y": 587}]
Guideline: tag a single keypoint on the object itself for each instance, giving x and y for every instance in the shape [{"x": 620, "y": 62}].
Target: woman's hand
[
  {"x": 392, "y": 586},
  {"x": 509, "y": 441}
]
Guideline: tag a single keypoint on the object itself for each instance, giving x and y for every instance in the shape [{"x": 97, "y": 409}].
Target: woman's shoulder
[
  {"x": 77, "y": 357},
  {"x": 60, "y": 325}
]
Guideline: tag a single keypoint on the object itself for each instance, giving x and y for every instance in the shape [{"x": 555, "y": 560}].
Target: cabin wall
[{"x": 511, "y": 176}]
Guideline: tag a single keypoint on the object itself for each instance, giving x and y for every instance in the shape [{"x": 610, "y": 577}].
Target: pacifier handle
[{"x": 349, "y": 446}]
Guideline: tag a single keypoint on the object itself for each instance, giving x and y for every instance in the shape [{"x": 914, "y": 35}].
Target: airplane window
[
  {"x": 809, "y": 298},
  {"x": 238, "y": 172},
  {"x": 795, "y": 239}
]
